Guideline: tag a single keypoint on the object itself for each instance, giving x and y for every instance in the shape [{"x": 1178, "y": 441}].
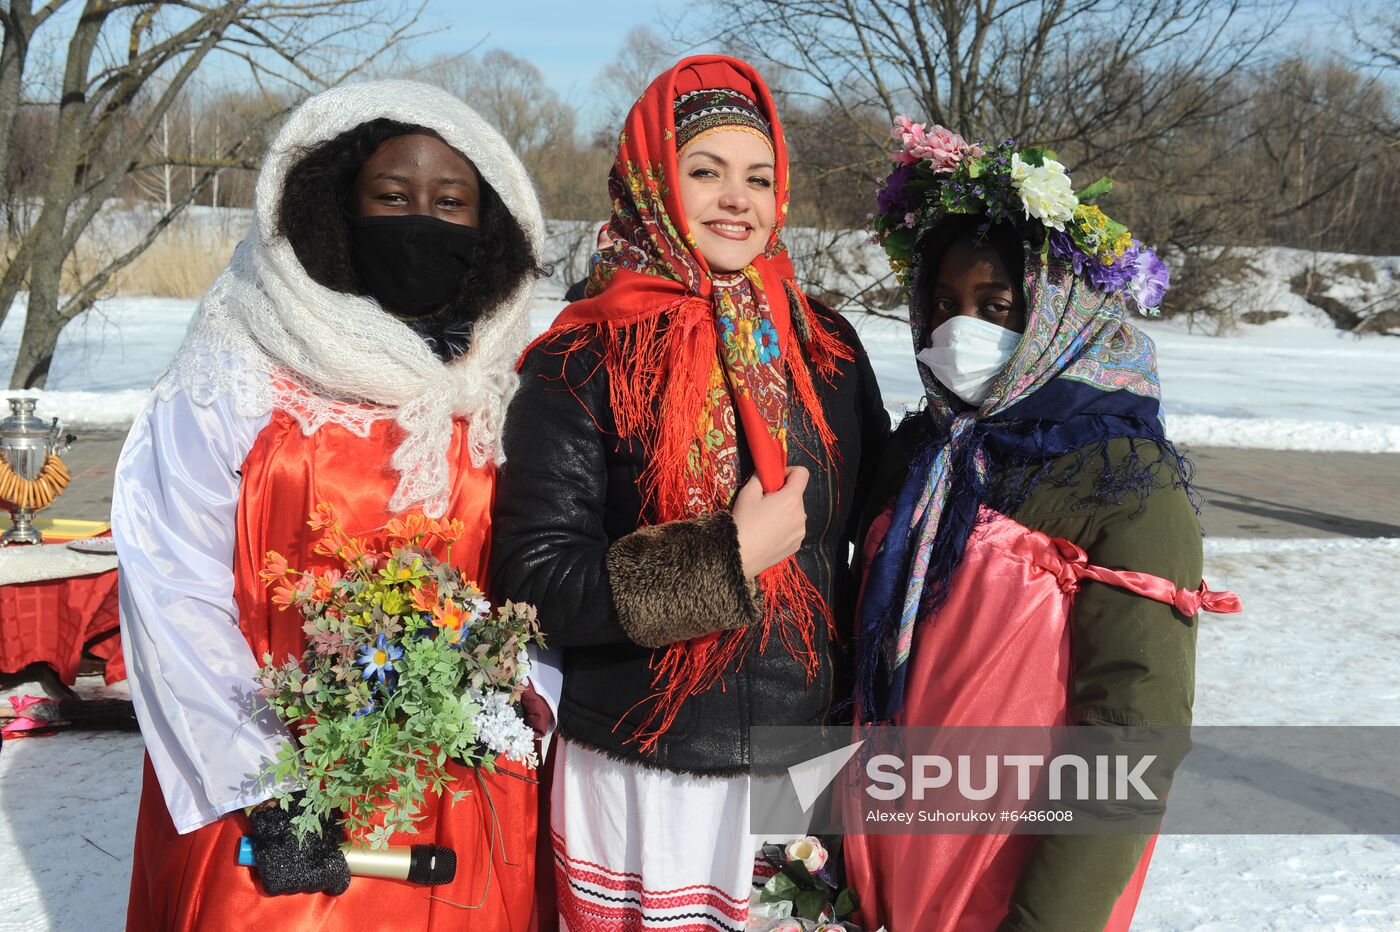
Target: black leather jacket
[{"x": 569, "y": 491}]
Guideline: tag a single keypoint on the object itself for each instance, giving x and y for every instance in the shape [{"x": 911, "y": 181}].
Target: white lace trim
[{"x": 271, "y": 338}]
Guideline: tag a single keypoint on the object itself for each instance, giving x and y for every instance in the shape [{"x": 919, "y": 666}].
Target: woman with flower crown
[
  {"x": 683, "y": 458},
  {"x": 358, "y": 354},
  {"x": 1031, "y": 552}
]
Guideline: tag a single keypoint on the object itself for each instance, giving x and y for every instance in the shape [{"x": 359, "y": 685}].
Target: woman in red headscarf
[{"x": 683, "y": 458}]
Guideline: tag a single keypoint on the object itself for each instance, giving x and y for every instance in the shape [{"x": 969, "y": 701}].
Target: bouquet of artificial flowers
[{"x": 406, "y": 667}]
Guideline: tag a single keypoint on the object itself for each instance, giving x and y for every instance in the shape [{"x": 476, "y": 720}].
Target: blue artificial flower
[
  {"x": 766, "y": 341},
  {"x": 378, "y": 660}
]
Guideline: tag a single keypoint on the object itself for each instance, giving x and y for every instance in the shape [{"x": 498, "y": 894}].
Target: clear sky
[{"x": 570, "y": 41}]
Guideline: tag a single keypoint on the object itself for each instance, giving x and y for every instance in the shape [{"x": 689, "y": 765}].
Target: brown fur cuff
[{"x": 680, "y": 580}]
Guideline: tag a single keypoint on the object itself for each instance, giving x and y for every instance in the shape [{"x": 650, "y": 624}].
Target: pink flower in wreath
[{"x": 942, "y": 147}]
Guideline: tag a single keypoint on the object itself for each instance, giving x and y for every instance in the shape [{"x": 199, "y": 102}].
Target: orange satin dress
[{"x": 191, "y": 882}]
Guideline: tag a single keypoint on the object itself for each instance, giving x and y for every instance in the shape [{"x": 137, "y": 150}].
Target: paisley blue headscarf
[{"x": 1081, "y": 375}]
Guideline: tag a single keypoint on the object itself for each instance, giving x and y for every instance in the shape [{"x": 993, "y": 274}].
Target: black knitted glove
[{"x": 314, "y": 866}]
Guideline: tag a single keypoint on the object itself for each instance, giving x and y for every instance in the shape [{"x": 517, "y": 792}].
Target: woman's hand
[{"x": 771, "y": 526}]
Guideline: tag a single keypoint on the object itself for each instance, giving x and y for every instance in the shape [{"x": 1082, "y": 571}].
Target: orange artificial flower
[
  {"x": 425, "y": 599},
  {"x": 321, "y": 589},
  {"x": 409, "y": 527},
  {"x": 331, "y": 542},
  {"x": 352, "y": 549},
  {"x": 323, "y": 517},
  {"x": 274, "y": 567},
  {"x": 284, "y": 596},
  {"x": 450, "y": 620},
  {"x": 449, "y": 532}
]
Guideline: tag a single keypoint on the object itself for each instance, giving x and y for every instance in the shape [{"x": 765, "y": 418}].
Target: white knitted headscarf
[{"x": 272, "y": 337}]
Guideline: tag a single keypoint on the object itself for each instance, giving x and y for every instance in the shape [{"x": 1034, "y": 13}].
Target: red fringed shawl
[{"x": 654, "y": 308}]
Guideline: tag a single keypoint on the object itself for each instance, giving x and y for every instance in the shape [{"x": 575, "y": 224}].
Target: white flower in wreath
[
  {"x": 809, "y": 851},
  {"x": 1046, "y": 191}
]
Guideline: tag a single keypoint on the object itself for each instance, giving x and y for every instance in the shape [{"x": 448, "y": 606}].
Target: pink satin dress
[{"x": 999, "y": 656}]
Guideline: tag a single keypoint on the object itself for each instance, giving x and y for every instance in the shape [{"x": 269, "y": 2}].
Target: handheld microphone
[{"x": 429, "y": 865}]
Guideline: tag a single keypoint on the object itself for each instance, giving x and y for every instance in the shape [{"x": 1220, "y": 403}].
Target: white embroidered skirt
[{"x": 637, "y": 848}]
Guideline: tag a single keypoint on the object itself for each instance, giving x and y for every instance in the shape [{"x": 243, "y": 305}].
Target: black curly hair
[{"x": 317, "y": 203}]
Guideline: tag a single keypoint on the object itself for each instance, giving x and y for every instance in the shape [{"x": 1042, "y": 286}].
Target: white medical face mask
[{"x": 966, "y": 353}]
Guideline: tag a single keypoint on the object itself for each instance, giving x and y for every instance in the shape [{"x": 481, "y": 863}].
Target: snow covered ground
[
  {"x": 1260, "y": 388},
  {"x": 1298, "y": 654}
]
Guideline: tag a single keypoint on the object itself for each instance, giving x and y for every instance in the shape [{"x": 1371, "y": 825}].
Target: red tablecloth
[{"x": 52, "y": 620}]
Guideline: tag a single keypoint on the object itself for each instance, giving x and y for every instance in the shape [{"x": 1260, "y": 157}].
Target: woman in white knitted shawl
[{"x": 359, "y": 350}]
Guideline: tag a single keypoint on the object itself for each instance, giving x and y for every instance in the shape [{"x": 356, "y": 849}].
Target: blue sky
[{"x": 570, "y": 42}]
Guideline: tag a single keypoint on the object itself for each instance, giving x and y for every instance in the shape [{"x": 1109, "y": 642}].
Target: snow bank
[
  {"x": 1318, "y": 546},
  {"x": 92, "y": 410},
  {"x": 1203, "y": 430}
]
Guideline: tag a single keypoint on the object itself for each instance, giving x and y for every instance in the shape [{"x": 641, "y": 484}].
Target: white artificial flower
[
  {"x": 499, "y": 726},
  {"x": 478, "y": 607},
  {"x": 809, "y": 851},
  {"x": 1046, "y": 191}
]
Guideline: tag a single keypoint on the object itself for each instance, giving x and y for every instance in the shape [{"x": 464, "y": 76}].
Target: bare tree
[
  {"x": 1377, "y": 38},
  {"x": 511, "y": 93},
  {"x": 1092, "y": 78},
  {"x": 1049, "y": 70},
  {"x": 644, "y": 53},
  {"x": 125, "y": 64}
]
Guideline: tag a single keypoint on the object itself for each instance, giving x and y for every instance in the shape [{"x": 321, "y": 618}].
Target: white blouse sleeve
[{"x": 191, "y": 671}]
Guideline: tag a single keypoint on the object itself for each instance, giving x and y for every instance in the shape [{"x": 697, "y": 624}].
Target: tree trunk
[
  {"x": 17, "y": 25},
  {"x": 41, "y": 328}
]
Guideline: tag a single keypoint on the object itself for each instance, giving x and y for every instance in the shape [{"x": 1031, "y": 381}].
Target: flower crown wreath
[{"x": 939, "y": 174}]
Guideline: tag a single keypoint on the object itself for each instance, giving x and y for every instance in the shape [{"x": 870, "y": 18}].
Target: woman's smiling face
[{"x": 727, "y": 192}]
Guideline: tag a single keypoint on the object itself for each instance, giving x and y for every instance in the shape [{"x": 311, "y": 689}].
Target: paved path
[
  {"x": 1271, "y": 493},
  {"x": 1246, "y": 493}
]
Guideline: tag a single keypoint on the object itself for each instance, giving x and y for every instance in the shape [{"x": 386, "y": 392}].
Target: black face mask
[{"x": 412, "y": 265}]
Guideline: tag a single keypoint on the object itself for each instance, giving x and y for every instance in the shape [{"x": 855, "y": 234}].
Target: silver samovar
[{"x": 25, "y": 444}]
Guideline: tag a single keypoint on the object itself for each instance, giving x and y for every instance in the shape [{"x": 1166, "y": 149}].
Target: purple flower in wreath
[
  {"x": 766, "y": 341},
  {"x": 378, "y": 658},
  {"x": 1149, "y": 284},
  {"x": 892, "y": 197},
  {"x": 1062, "y": 247},
  {"x": 1114, "y": 277}
]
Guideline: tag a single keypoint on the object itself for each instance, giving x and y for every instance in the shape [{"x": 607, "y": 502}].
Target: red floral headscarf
[{"x": 685, "y": 358}]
